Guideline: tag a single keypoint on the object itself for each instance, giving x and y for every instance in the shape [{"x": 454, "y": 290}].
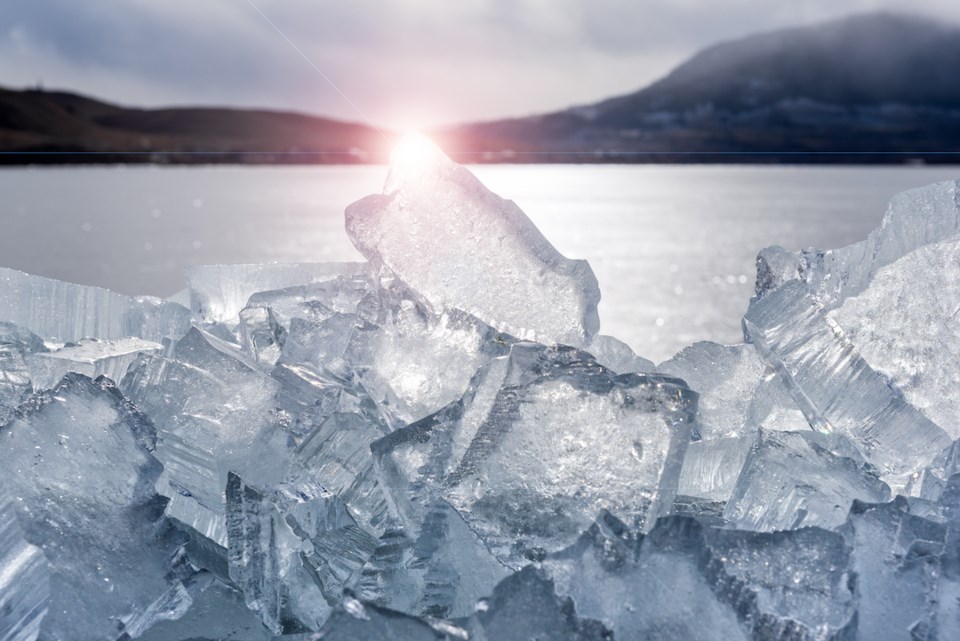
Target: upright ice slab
[
  {"x": 64, "y": 312},
  {"x": 914, "y": 218},
  {"x": 836, "y": 388},
  {"x": 461, "y": 246},
  {"x": 905, "y": 324}
]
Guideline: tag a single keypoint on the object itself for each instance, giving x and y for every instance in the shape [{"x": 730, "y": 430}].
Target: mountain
[
  {"x": 869, "y": 84},
  {"x": 871, "y": 88},
  {"x": 34, "y": 121}
]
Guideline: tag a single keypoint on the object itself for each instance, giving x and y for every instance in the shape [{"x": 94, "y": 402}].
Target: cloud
[{"x": 403, "y": 62}]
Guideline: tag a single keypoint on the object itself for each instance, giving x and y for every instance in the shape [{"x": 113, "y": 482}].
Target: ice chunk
[
  {"x": 913, "y": 219},
  {"x": 413, "y": 362},
  {"x": 81, "y": 474},
  {"x": 736, "y": 395},
  {"x": 410, "y": 360},
  {"x": 618, "y": 356},
  {"x": 711, "y": 468},
  {"x": 16, "y": 343},
  {"x": 213, "y": 408},
  {"x": 462, "y": 247},
  {"x": 441, "y": 574},
  {"x": 294, "y": 549},
  {"x": 687, "y": 581},
  {"x": 525, "y": 606},
  {"x": 218, "y": 612},
  {"x": 320, "y": 343},
  {"x": 905, "y": 325},
  {"x": 896, "y": 558},
  {"x": 65, "y": 312},
  {"x": 24, "y": 578},
  {"x": 948, "y": 597},
  {"x": 354, "y": 620},
  {"x": 219, "y": 292},
  {"x": 318, "y": 300},
  {"x": 542, "y": 441},
  {"x": 836, "y": 388},
  {"x": 793, "y": 479},
  {"x": 337, "y": 454},
  {"x": 90, "y": 357},
  {"x": 644, "y": 587},
  {"x": 261, "y": 334},
  {"x": 785, "y": 585}
]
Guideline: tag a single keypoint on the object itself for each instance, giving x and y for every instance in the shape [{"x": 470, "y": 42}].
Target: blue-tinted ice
[{"x": 439, "y": 445}]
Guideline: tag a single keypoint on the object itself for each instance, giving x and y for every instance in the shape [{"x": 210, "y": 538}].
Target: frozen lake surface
[{"x": 672, "y": 246}]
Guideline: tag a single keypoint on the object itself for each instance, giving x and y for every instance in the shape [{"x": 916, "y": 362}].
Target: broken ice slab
[
  {"x": 784, "y": 585},
  {"x": 442, "y": 573},
  {"x": 735, "y": 395},
  {"x": 525, "y": 606},
  {"x": 542, "y": 441},
  {"x": 65, "y": 312},
  {"x": 337, "y": 454},
  {"x": 217, "y": 612},
  {"x": 617, "y": 355},
  {"x": 836, "y": 388},
  {"x": 905, "y": 325},
  {"x": 711, "y": 468},
  {"x": 644, "y": 587},
  {"x": 461, "y": 246},
  {"x": 24, "y": 578},
  {"x": 687, "y": 581},
  {"x": 316, "y": 301},
  {"x": 793, "y": 479},
  {"x": 319, "y": 343},
  {"x": 213, "y": 409},
  {"x": 293, "y": 551},
  {"x": 261, "y": 335},
  {"x": 219, "y": 292},
  {"x": 81, "y": 475},
  {"x": 411, "y": 361},
  {"x": 896, "y": 557},
  {"x": 913, "y": 219},
  {"x": 16, "y": 344},
  {"x": 90, "y": 357},
  {"x": 354, "y": 620}
]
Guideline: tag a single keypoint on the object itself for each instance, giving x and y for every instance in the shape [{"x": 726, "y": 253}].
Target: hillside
[
  {"x": 870, "y": 84},
  {"x": 37, "y": 121},
  {"x": 871, "y": 88}
]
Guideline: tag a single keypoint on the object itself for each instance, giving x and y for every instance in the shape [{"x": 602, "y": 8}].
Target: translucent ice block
[
  {"x": 793, "y": 479},
  {"x": 461, "y": 246},
  {"x": 66, "y": 312},
  {"x": 80, "y": 472},
  {"x": 836, "y": 388},
  {"x": 90, "y": 357},
  {"x": 543, "y": 440},
  {"x": 219, "y": 292}
]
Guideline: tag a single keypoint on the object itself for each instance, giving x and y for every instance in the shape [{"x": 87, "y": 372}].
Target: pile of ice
[{"x": 437, "y": 444}]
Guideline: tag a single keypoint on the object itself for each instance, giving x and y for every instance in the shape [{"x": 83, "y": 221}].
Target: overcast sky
[{"x": 399, "y": 63}]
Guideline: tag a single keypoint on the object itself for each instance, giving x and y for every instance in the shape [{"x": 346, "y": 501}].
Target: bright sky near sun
[{"x": 402, "y": 63}]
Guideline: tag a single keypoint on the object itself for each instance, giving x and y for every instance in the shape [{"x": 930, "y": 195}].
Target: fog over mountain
[{"x": 872, "y": 83}]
